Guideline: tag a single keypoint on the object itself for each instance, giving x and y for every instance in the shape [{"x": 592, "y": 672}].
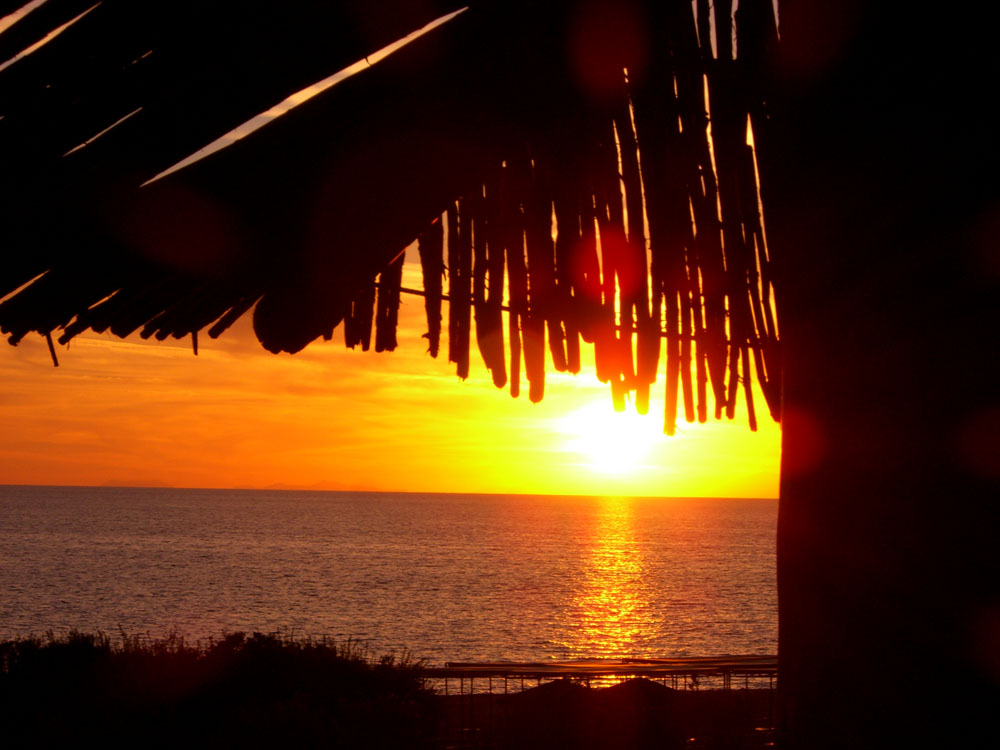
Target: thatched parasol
[{"x": 563, "y": 153}]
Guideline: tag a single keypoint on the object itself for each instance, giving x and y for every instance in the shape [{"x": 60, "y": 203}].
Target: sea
[{"x": 438, "y": 577}]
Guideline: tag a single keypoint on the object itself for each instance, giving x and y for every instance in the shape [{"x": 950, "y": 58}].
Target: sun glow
[
  {"x": 331, "y": 418},
  {"x": 611, "y": 442}
]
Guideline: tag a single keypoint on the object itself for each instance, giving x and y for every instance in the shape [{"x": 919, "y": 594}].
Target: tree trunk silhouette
[{"x": 886, "y": 213}]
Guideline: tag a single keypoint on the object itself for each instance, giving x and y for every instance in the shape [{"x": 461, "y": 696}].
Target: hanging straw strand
[
  {"x": 430, "y": 246},
  {"x": 489, "y": 336}
]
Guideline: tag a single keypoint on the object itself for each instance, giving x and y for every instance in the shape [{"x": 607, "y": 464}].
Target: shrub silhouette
[{"x": 251, "y": 691}]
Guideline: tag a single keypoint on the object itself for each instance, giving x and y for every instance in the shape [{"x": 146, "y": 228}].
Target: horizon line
[{"x": 115, "y": 486}]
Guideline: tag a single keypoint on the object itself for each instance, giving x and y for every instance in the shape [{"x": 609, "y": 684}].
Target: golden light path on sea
[{"x": 612, "y": 606}]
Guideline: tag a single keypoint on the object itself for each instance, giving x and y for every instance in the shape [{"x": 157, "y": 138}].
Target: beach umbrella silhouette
[{"x": 341, "y": 132}]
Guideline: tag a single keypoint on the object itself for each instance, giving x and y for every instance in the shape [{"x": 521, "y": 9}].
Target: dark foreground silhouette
[
  {"x": 241, "y": 691},
  {"x": 637, "y": 713},
  {"x": 271, "y": 691}
]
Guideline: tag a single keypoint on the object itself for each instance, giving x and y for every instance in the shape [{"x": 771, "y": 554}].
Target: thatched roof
[{"x": 479, "y": 138}]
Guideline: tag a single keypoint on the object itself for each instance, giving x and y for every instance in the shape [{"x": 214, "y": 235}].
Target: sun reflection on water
[{"x": 612, "y": 607}]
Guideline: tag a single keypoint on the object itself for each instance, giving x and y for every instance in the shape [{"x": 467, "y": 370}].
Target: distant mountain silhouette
[{"x": 136, "y": 483}]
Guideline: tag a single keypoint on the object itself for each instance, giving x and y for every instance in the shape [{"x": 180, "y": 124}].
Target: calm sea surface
[{"x": 446, "y": 577}]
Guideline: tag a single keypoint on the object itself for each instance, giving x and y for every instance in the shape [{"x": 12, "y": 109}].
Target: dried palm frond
[{"x": 592, "y": 159}]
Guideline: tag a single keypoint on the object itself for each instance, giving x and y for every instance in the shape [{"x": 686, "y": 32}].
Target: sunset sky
[
  {"x": 131, "y": 411},
  {"x": 142, "y": 412}
]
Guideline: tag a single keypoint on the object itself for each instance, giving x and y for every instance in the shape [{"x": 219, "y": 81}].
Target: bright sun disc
[{"x": 610, "y": 442}]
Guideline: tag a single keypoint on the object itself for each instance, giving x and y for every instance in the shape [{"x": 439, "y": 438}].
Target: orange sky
[
  {"x": 236, "y": 416},
  {"x": 148, "y": 412}
]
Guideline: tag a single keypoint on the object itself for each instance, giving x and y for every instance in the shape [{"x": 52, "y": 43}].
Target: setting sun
[
  {"x": 331, "y": 418},
  {"x": 610, "y": 442}
]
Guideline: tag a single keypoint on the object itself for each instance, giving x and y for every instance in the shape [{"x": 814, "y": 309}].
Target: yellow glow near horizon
[
  {"x": 612, "y": 442},
  {"x": 147, "y": 412}
]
